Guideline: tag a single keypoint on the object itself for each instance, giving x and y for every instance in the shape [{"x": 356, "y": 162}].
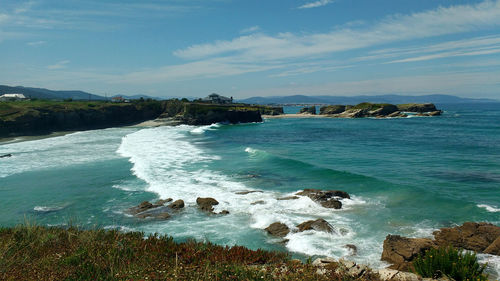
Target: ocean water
[{"x": 406, "y": 176}]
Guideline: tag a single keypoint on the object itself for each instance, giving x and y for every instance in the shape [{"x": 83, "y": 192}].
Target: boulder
[
  {"x": 224, "y": 212},
  {"x": 352, "y": 248},
  {"x": 308, "y": 110},
  {"x": 323, "y": 261},
  {"x": 470, "y": 236},
  {"x": 493, "y": 248},
  {"x": 144, "y": 206},
  {"x": 331, "y": 109},
  {"x": 401, "y": 251},
  {"x": 177, "y": 205},
  {"x": 278, "y": 229},
  {"x": 327, "y": 198},
  {"x": 206, "y": 204},
  {"x": 318, "y": 225},
  {"x": 435, "y": 113}
]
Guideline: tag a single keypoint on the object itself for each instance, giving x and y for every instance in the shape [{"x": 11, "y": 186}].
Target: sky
[{"x": 191, "y": 48}]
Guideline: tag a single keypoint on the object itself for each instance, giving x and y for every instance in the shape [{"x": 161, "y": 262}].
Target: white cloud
[
  {"x": 59, "y": 65},
  {"x": 36, "y": 43},
  {"x": 251, "y": 29},
  {"x": 441, "y": 21},
  {"x": 315, "y": 4}
]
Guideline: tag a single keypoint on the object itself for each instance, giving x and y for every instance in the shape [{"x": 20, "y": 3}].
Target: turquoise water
[{"x": 406, "y": 176}]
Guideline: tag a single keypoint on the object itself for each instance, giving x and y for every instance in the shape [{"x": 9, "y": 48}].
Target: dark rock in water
[
  {"x": 331, "y": 109},
  {"x": 470, "y": 236},
  {"x": 417, "y": 107},
  {"x": 163, "y": 201},
  {"x": 352, "y": 248},
  {"x": 435, "y": 113},
  {"x": 206, "y": 204},
  {"x": 401, "y": 251},
  {"x": 308, "y": 110},
  {"x": 247, "y": 192},
  {"x": 288, "y": 198},
  {"x": 332, "y": 204},
  {"x": 325, "y": 197},
  {"x": 318, "y": 225},
  {"x": 159, "y": 214},
  {"x": 278, "y": 229},
  {"x": 260, "y": 202},
  {"x": 206, "y": 114},
  {"x": 176, "y": 205},
  {"x": 144, "y": 206},
  {"x": 224, "y": 212},
  {"x": 6, "y": 155}
]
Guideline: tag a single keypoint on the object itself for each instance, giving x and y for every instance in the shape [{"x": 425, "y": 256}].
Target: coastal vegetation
[
  {"x": 450, "y": 262},
  {"x": 32, "y": 252}
]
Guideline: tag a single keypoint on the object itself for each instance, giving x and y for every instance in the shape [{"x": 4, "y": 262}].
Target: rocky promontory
[{"x": 378, "y": 110}]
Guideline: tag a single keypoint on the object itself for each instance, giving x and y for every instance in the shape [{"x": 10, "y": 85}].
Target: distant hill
[
  {"x": 41, "y": 93},
  {"x": 394, "y": 99}
]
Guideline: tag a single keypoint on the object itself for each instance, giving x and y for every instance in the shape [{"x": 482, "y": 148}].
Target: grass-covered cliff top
[
  {"x": 10, "y": 110},
  {"x": 30, "y": 252}
]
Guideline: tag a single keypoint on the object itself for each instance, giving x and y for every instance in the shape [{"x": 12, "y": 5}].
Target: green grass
[
  {"x": 450, "y": 262},
  {"x": 31, "y": 252},
  {"x": 370, "y": 106}
]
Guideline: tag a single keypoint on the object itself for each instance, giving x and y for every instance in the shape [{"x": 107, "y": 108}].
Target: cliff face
[
  {"x": 206, "y": 114},
  {"x": 50, "y": 117},
  {"x": 379, "y": 110}
]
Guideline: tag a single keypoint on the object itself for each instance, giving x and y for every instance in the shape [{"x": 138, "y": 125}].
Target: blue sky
[{"x": 253, "y": 48}]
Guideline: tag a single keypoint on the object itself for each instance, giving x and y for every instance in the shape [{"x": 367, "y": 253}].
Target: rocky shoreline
[{"x": 398, "y": 251}]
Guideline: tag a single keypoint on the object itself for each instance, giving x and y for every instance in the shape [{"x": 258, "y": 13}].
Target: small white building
[{"x": 12, "y": 97}]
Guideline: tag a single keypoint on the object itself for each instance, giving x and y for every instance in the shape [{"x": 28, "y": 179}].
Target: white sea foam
[
  {"x": 61, "y": 151},
  {"x": 168, "y": 160},
  {"x": 493, "y": 267},
  {"x": 489, "y": 208},
  {"x": 47, "y": 209},
  {"x": 202, "y": 129}
]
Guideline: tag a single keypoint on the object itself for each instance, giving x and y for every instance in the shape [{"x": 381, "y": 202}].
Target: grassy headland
[{"x": 31, "y": 252}]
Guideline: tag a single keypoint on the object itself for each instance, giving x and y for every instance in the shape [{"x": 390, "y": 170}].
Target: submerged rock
[
  {"x": 149, "y": 210},
  {"x": 163, "y": 201},
  {"x": 6, "y": 155},
  {"x": 401, "y": 251},
  {"x": 352, "y": 248},
  {"x": 247, "y": 192},
  {"x": 318, "y": 225},
  {"x": 288, "y": 198},
  {"x": 278, "y": 229},
  {"x": 260, "y": 202}
]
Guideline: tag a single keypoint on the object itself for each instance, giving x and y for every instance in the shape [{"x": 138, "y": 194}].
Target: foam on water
[
  {"x": 48, "y": 209},
  {"x": 50, "y": 153},
  {"x": 167, "y": 159},
  {"x": 489, "y": 208}
]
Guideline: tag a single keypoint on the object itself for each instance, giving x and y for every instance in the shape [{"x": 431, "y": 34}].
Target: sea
[{"x": 407, "y": 176}]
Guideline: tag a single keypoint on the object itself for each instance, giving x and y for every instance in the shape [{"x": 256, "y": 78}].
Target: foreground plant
[
  {"x": 450, "y": 262},
  {"x": 31, "y": 252}
]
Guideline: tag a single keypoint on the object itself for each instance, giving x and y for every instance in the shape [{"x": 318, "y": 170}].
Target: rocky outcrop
[
  {"x": 479, "y": 237},
  {"x": 177, "y": 205},
  {"x": 206, "y": 205},
  {"x": 278, "y": 229},
  {"x": 331, "y": 109},
  {"x": 308, "y": 110},
  {"x": 401, "y": 251},
  {"x": 157, "y": 210},
  {"x": 470, "y": 236},
  {"x": 271, "y": 110},
  {"x": 206, "y": 114},
  {"x": 326, "y": 198},
  {"x": 417, "y": 107},
  {"x": 378, "y": 110},
  {"x": 318, "y": 225}
]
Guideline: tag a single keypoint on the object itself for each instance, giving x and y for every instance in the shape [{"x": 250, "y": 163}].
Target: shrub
[{"x": 451, "y": 262}]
